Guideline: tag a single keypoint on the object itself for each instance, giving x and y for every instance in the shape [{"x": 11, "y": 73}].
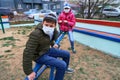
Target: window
[
  {"x": 58, "y": 6},
  {"x": 45, "y": 6},
  {"x": 19, "y": 6},
  {"x": 55, "y": 6},
  {"x": 45, "y": 0}
]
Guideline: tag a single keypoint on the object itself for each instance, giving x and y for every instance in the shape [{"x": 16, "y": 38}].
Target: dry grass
[{"x": 89, "y": 64}]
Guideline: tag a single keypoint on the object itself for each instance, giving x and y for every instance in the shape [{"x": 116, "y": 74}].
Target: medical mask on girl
[
  {"x": 48, "y": 30},
  {"x": 66, "y": 10}
]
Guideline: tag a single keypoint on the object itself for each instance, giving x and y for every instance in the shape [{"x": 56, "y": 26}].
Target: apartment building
[
  {"x": 12, "y": 4},
  {"x": 22, "y": 5}
]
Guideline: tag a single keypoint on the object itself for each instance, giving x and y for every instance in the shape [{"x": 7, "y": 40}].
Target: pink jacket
[{"x": 70, "y": 18}]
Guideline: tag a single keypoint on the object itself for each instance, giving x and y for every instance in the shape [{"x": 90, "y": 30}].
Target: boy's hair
[{"x": 50, "y": 18}]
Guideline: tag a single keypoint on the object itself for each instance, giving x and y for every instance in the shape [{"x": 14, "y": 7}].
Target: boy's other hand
[
  {"x": 55, "y": 46},
  {"x": 32, "y": 76}
]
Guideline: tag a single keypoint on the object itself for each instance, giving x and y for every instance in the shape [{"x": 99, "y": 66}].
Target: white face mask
[
  {"x": 48, "y": 30},
  {"x": 66, "y": 10}
]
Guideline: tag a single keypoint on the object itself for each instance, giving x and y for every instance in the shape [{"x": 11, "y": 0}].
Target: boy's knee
[
  {"x": 68, "y": 54},
  {"x": 62, "y": 65}
]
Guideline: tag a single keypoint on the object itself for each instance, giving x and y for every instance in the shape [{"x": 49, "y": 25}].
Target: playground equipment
[
  {"x": 4, "y": 23},
  {"x": 99, "y": 34},
  {"x": 39, "y": 69},
  {"x": 1, "y": 23}
]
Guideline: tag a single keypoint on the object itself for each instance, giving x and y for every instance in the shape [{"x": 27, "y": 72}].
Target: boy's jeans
[{"x": 50, "y": 58}]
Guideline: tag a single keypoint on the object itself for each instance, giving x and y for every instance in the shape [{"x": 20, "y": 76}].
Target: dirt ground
[{"x": 88, "y": 63}]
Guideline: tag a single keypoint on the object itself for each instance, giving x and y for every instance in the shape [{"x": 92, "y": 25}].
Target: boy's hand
[
  {"x": 32, "y": 76},
  {"x": 55, "y": 46}
]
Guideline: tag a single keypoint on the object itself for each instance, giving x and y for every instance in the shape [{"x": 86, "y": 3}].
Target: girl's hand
[
  {"x": 65, "y": 21},
  {"x": 60, "y": 21}
]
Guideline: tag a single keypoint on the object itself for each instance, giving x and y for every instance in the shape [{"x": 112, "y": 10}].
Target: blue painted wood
[{"x": 112, "y": 38}]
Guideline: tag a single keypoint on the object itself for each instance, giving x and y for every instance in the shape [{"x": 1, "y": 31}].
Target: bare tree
[{"x": 89, "y": 8}]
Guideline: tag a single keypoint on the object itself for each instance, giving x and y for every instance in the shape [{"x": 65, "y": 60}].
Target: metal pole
[{"x": 2, "y": 24}]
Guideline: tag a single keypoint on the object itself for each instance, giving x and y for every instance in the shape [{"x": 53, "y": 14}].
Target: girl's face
[{"x": 66, "y": 10}]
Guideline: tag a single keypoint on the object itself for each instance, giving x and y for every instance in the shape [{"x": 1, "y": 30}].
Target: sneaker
[
  {"x": 73, "y": 50},
  {"x": 69, "y": 70}
]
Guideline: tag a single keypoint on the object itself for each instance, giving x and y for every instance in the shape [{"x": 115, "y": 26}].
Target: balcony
[{"x": 32, "y": 1}]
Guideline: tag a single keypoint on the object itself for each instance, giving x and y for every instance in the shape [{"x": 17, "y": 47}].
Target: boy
[{"x": 40, "y": 49}]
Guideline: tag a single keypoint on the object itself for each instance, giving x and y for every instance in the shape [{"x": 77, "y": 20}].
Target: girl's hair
[{"x": 50, "y": 18}]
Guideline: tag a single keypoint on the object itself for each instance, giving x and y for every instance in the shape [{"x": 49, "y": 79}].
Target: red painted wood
[{"x": 99, "y": 22}]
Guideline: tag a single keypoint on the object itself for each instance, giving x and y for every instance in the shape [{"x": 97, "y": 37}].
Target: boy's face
[{"x": 49, "y": 24}]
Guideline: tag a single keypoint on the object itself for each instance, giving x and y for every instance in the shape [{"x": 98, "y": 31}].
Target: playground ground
[{"x": 88, "y": 63}]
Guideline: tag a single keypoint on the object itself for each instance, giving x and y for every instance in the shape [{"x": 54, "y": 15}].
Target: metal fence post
[{"x": 2, "y": 24}]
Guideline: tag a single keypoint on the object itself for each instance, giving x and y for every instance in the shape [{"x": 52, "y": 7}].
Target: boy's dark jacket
[{"x": 37, "y": 44}]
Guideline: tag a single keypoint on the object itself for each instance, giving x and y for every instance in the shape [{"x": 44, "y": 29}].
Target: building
[
  {"x": 13, "y": 4},
  {"x": 54, "y": 5},
  {"x": 22, "y": 5},
  {"x": 7, "y": 3}
]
